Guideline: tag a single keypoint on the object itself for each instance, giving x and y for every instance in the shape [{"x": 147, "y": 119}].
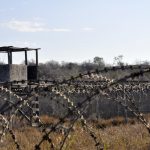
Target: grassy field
[{"x": 115, "y": 135}]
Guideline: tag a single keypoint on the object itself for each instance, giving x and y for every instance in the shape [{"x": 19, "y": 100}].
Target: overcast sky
[{"x": 77, "y": 30}]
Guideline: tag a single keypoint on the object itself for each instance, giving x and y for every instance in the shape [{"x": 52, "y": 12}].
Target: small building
[{"x": 14, "y": 72}]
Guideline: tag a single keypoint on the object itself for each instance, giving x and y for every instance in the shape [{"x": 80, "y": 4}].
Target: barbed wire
[{"x": 96, "y": 84}]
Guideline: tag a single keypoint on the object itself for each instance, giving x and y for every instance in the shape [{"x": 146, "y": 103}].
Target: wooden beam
[
  {"x": 37, "y": 59},
  {"x": 26, "y": 58},
  {"x": 8, "y": 54},
  {"x": 10, "y": 57},
  {"x": 37, "y": 64}
]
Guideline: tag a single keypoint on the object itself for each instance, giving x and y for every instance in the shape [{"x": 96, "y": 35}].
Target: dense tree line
[{"x": 54, "y": 70}]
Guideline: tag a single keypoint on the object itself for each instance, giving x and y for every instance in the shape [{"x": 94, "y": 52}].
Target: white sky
[{"x": 77, "y": 30}]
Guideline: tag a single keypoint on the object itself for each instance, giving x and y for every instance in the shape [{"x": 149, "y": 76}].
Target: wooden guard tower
[{"x": 10, "y": 74}]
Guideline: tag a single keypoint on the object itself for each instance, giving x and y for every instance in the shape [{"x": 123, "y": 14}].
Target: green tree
[
  {"x": 99, "y": 61},
  {"x": 118, "y": 60}
]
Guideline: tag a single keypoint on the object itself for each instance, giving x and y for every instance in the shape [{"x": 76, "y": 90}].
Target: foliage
[{"x": 122, "y": 136}]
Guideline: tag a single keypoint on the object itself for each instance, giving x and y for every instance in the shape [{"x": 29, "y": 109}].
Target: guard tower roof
[
  {"x": 6, "y": 49},
  {"x": 10, "y": 49}
]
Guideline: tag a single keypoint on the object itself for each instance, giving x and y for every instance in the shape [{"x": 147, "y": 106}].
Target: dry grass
[{"x": 115, "y": 136}]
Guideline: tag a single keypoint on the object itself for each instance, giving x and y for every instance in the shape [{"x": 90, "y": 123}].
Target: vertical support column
[
  {"x": 26, "y": 58},
  {"x": 36, "y": 112},
  {"x": 10, "y": 99},
  {"x": 140, "y": 100},
  {"x": 125, "y": 110},
  {"x": 9, "y": 58},
  {"x": 8, "y": 54},
  {"x": 37, "y": 63}
]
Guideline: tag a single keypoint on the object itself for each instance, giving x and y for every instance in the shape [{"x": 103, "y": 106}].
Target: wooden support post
[
  {"x": 125, "y": 110},
  {"x": 26, "y": 58},
  {"x": 10, "y": 99},
  {"x": 8, "y": 53},
  {"x": 37, "y": 63},
  {"x": 10, "y": 57},
  {"x": 35, "y": 113}
]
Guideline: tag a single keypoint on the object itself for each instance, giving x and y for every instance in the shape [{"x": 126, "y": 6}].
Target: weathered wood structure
[
  {"x": 20, "y": 72},
  {"x": 11, "y": 72}
]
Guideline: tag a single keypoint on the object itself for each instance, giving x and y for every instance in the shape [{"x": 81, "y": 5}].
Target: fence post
[
  {"x": 125, "y": 110},
  {"x": 36, "y": 112}
]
